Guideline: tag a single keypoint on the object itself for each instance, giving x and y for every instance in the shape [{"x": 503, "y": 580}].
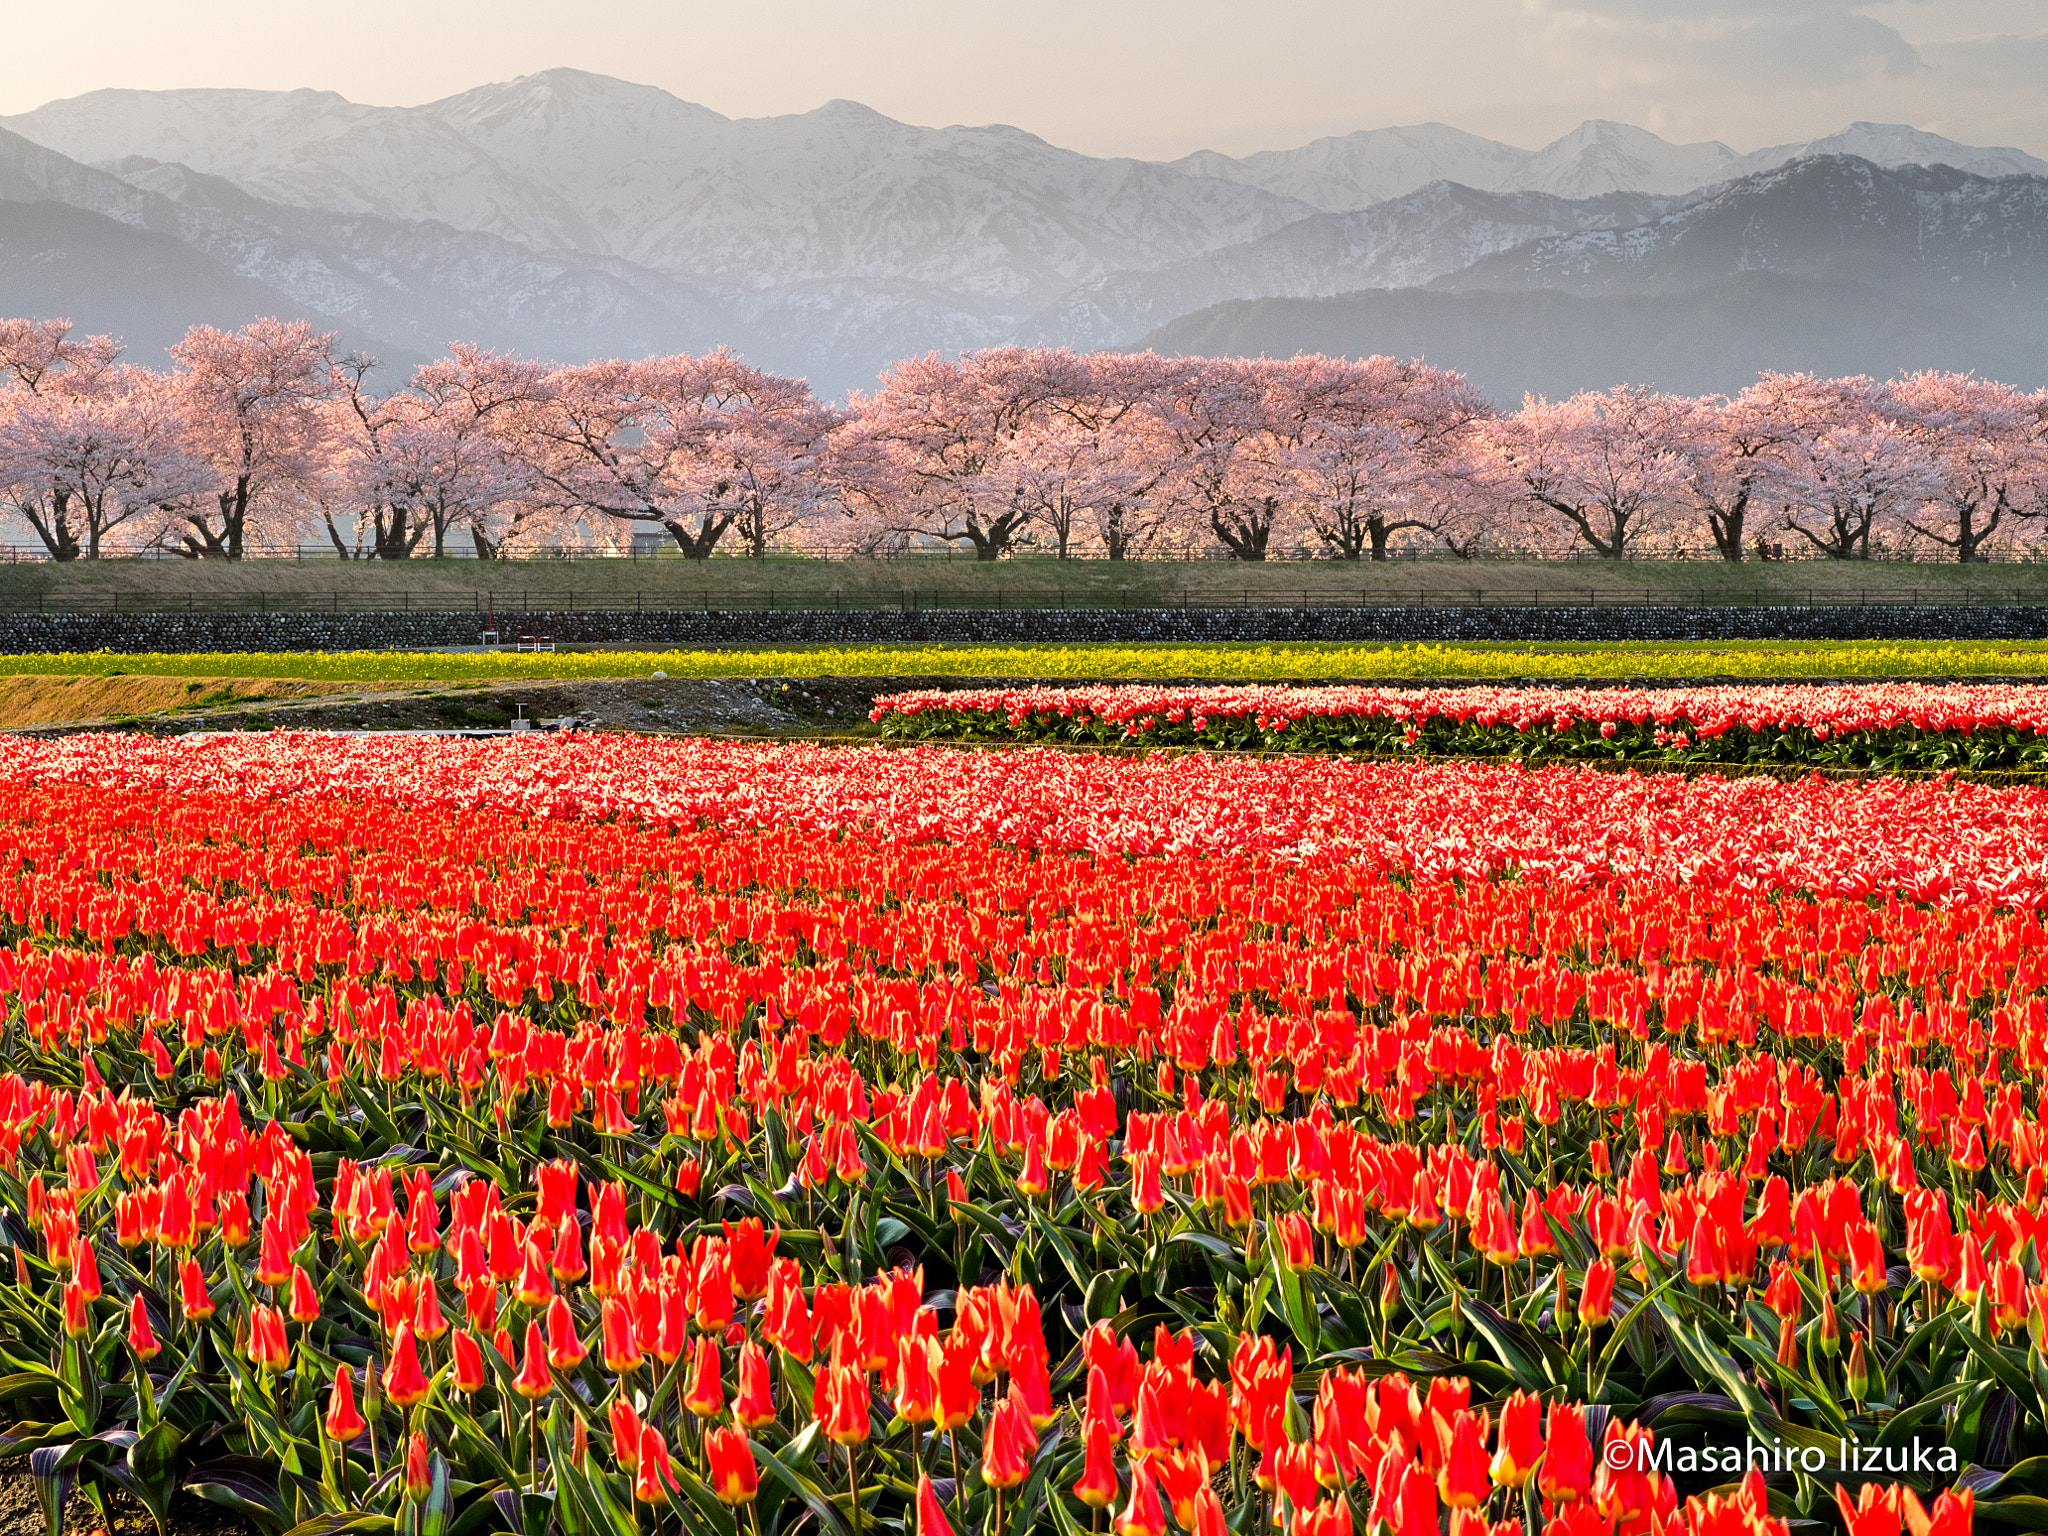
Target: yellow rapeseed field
[{"x": 1302, "y": 661}]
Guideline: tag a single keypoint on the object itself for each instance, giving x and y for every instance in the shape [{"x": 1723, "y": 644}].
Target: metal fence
[{"x": 640, "y": 551}]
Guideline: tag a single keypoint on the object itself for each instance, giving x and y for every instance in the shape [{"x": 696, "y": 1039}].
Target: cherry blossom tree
[
  {"x": 1844, "y": 472},
  {"x": 1607, "y": 463},
  {"x": 1378, "y": 450},
  {"x": 1988, "y": 444},
  {"x": 939, "y": 451},
  {"x": 254, "y": 406},
  {"x": 41, "y": 363},
  {"x": 39, "y": 353},
  {"x": 1730, "y": 447},
  {"x": 435, "y": 458},
  {"x": 1220, "y": 425},
  {"x": 697, "y": 446},
  {"x": 82, "y": 465}
]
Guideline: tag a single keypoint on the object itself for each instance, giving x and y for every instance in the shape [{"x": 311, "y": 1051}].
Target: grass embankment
[
  {"x": 32, "y": 699},
  {"x": 1301, "y": 661},
  {"x": 934, "y": 580}
]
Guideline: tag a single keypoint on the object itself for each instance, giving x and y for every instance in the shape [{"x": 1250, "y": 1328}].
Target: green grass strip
[{"x": 1273, "y": 662}]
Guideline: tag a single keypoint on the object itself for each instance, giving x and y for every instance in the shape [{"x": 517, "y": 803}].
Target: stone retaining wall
[{"x": 306, "y": 631}]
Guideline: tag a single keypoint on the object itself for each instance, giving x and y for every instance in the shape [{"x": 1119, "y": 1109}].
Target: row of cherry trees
[{"x": 262, "y": 437}]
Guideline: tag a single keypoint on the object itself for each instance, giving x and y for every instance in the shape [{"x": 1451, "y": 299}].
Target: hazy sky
[{"x": 1155, "y": 78}]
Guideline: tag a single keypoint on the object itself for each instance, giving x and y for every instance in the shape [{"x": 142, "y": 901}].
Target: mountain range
[{"x": 569, "y": 215}]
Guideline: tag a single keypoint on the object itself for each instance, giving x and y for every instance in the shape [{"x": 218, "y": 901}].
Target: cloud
[{"x": 1734, "y": 48}]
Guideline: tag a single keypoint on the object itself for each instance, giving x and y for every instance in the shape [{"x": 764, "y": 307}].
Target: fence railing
[
  {"x": 2025, "y": 554},
  {"x": 507, "y": 605}
]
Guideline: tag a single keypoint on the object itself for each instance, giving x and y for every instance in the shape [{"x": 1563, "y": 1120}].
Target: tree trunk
[
  {"x": 1727, "y": 527},
  {"x": 54, "y": 527},
  {"x": 698, "y": 545},
  {"x": 1248, "y": 538}
]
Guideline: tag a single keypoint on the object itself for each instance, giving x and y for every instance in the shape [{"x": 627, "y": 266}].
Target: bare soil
[{"x": 21, "y": 1514}]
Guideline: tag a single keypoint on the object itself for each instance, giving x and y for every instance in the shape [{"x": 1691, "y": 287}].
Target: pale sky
[{"x": 1153, "y": 78}]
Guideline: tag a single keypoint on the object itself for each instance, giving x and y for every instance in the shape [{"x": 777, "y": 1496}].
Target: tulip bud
[
  {"x": 1830, "y": 1326},
  {"x": 1390, "y": 1292},
  {"x": 419, "y": 1472},
  {"x": 1859, "y": 1375},
  {"x": 1788, "y": 1343}
]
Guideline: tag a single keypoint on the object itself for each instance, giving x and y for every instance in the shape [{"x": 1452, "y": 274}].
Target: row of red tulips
[{"x": 1883, "y": 725}]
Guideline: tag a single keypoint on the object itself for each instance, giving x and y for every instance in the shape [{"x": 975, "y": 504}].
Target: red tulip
[
  {"x": 342, "y": 1422},
  {"x": 404, "y": 1382},
  {"x": 931, "y": 1515},
  {"x": 77, "y": 1310},
  {"x": 655, "y": 1475},
  {"x": 730, "y": 1459},
  {"x": 470, "y": 1374},
  {"x": 194, "y": 1299},
  {"x": 753, "y": 1396},
  {"x": 621, "y": 1350},
  {"x": 840, "y": 1402},
  {"x": 141, "y": 1338},
  {"x": 534, "y": 1380},
  {"x": 1010, "y": 1445},
  {"x": 1097, "y": 1485},
  {"x": 1297, "y": 1242},
  {"x": 1519, "y": 1441},
  {"x": 565, "y": 1347},
  {"x": 705, "y": 1394},
  {"x": 1464, "y": 1481},
  {"x": 1567, "y": 1455},
  {"x": 1142, "y": 1514},
  {"x": 1596, "y": 1297}
]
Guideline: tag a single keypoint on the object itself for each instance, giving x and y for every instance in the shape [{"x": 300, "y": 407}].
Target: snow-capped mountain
[
  {"x": 311, "y": 149},
  {"x": 1921, "y": 231},
  {"x": 572, "y": 215},
  {"x": 565, "y": 159},
  {"x": 1360, "y": 169},
  {"x": 399, "y": 289},
  {"x": 1405, "y": 242},
  {"x": 1374, "y": 165},
  {"x": 1895, "y": 144},
  {"x": 1599, "y": 157}
]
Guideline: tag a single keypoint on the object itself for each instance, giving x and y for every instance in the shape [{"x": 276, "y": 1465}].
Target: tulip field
[
  {"x": 1882, "y": 725},
  {"x": 594, "y": 1134}
]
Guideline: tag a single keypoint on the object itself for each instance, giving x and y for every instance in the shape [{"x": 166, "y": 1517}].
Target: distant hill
[
  {"x": 1832, "y": 265},
  {"x": 1712, "y": 340}
]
